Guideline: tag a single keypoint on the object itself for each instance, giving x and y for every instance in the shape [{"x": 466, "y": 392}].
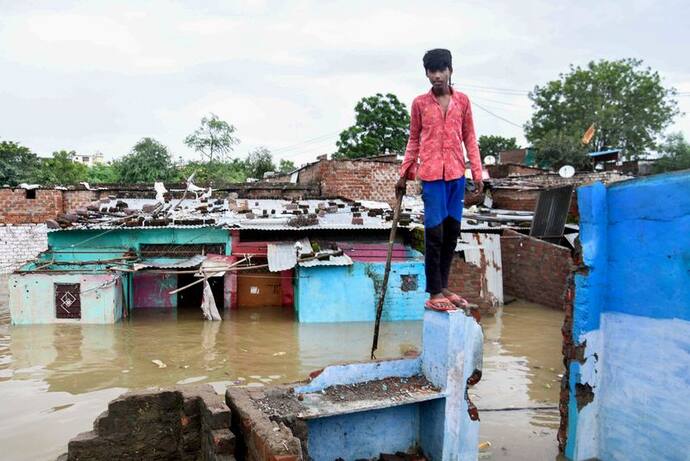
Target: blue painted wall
[
  {"x": 364, "y": 435},
  {"x": 632, "y": 317},
  {"x": 348, "y": 294},
  {"x": 452, "y": 350}
]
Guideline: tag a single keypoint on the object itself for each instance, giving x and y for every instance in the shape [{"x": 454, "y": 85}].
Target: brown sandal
[{"x": 441, "y": 304}]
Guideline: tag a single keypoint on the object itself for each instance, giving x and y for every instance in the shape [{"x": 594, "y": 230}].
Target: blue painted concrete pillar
[{"x": 453, "y": 348}]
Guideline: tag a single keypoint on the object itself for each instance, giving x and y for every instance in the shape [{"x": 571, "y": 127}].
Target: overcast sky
[{"x": 98, "y": 76}]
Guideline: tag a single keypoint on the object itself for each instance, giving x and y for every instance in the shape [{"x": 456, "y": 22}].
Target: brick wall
[
  {"x": 356, "y": 179},
  {"x": 535, "y": 270},
  {"x": 503, "y": 170},
  {"x": 515, "y": 199},
  {"x": 73, "y": 199},
  {"x": 180, "y": 423},
  {"x": 466, "y": 280},
  {"x": 16, "y": 208},
  {"x": 20, "y": 244}
]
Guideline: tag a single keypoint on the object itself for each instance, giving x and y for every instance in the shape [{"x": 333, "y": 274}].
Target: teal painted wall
[
  {"x": 32, "y": 297},
  {"x": 124, "y": 239},
  {"x": 348, "y": 293}
]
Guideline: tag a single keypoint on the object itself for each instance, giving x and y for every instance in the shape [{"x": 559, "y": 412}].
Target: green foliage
[
  {"x": 286, "y": 166},
  {"x": 556, "y": 149},
  {"x": 17, "y": 163},
  {"x": 148, "y": 162},
  {"x": 214, "y": 173},
  {"x": 61, "y": 170},
  {"x": 102, "y": 174},
  {"x": 258, "y": 162},
  {"x": 381, "y": 126},
  {"x": 628, "y": 104},
  {"x": 492, "y": 145},
  {"x": 214, "y": 139},
  {"x": 676, "y": 154}
]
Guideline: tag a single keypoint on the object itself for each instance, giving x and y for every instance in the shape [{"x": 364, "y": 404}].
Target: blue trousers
[{"x": 443, "y": 204}]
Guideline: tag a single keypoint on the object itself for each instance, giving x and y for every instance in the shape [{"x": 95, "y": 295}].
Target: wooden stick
[{"x": 386, "y": 273}]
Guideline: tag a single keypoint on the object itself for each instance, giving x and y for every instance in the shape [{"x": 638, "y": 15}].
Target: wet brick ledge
[{"x": 181, "y": 423}]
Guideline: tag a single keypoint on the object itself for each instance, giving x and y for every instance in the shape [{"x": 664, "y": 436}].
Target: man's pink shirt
[{"x": 434, "y": 150}]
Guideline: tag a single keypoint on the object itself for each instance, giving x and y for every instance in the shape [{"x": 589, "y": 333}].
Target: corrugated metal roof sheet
[
  {"x": 164, "y": 264},
  {"x": 343, "y": 260},
  {"x": 257, "y": 214}
]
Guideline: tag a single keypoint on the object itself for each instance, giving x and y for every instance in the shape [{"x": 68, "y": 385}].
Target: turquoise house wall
[
  {"x": 631, "y": 318},
  {"x": 350, "y": 293},
  {"x": 130, "y": 238},
  {"x": 32, "y": 297}
]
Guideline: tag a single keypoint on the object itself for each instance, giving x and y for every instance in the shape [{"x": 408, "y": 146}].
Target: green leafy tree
[
  {"x": 214, "y": 139},
  {"x": 149, "y": 161},
  {"x": 102, "y": 174},
  {"x": 381, "y": 126},
  {"x": 286, "y": 166},
  {"x": 675, "y": 154},
  {"x": 17, "y": 163},
  {"x": 258, "y": 162},
  {"x": 556, "y": 149},
  {"x": 492, "y": 145},
  {"x": 627, "y": 103},
  {"x": 61, "y": 169},
  {"x": 214, "y": 173}
]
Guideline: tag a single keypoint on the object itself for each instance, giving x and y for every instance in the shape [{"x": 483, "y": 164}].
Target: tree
[
  {"x": 627, "y": 103},
  {"x": 17, "y": 163},
  {"x": 492, "y": 145},
  {"x": 258, "y": 162},
  {"x": 215, "y": 173},
  {"x": 148, "y": 162},
  {"x": 214, "y": 139},
  {"x": 102, "y": 174},
  {"x": 675, "y": 154},
  {"x": 556, "y": 149},
  {"x": 61, "y": 169},
  {"x": 286, "y": 166},
  {"x": 381, "y": 126}
]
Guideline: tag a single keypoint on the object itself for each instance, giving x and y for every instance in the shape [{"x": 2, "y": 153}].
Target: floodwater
[{"x": 55, "y": 379}]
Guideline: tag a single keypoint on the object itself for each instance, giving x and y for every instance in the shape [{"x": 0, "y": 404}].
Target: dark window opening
[
  {"x": 158, "y": 250},
  {"x": 409, "y": 282},
  {"x": 30, "y": 194},
  {"x": 67, "y": 301}
]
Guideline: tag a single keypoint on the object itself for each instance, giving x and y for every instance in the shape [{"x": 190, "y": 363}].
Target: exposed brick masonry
[
  {"x": 535, "y": 270},
  {"x": 16, "y": 208},
  {"x": 356, "y": 179}
]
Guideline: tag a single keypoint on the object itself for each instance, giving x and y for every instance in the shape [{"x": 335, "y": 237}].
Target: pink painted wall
[{"x": 151, "y": 290}]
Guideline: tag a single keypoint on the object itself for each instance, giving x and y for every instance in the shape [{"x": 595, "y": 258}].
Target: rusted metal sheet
[{"x": 484, "y": 251}]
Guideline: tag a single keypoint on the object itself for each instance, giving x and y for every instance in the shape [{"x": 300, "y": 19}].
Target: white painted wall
[
  {"x": 32, "y": 297},
  {"x": 20, "y": 244}
]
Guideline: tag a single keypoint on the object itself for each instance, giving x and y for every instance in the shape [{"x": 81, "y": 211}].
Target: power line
[
  {"x": 316, "y": 139},
  {"x": 497, "y": 116}
]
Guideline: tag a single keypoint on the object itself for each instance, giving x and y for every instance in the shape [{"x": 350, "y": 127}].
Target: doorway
[
  {"x": 190, "y": 298},
  {"x": 259, "y": 288}
]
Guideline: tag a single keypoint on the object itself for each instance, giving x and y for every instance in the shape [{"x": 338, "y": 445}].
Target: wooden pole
[{"x": 386, "y": 273}]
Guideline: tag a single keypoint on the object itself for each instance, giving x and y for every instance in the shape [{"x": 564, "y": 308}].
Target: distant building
[{"x": 89, "y": 159}]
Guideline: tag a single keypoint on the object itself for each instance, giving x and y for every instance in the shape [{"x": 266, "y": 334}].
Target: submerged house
[{"x": 323, "y": 258}]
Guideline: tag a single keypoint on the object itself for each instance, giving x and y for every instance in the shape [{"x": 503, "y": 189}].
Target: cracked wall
[{"x": 627, "y": 342}]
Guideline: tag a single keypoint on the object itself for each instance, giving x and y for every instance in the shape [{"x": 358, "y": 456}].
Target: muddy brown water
[{"x": 55, "y": 379}]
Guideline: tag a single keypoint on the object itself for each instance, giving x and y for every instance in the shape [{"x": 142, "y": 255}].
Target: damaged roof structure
[{"x": 111, "y": 257}]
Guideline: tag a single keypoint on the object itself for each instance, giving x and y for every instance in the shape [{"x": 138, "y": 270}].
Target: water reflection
[{"x": 55, "y": 379}]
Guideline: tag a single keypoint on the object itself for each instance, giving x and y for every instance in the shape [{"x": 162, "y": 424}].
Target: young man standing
[{"x": 440, "y": 122}]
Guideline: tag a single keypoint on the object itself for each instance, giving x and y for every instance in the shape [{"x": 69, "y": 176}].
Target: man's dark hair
[{"x": 438, "y": 59}]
